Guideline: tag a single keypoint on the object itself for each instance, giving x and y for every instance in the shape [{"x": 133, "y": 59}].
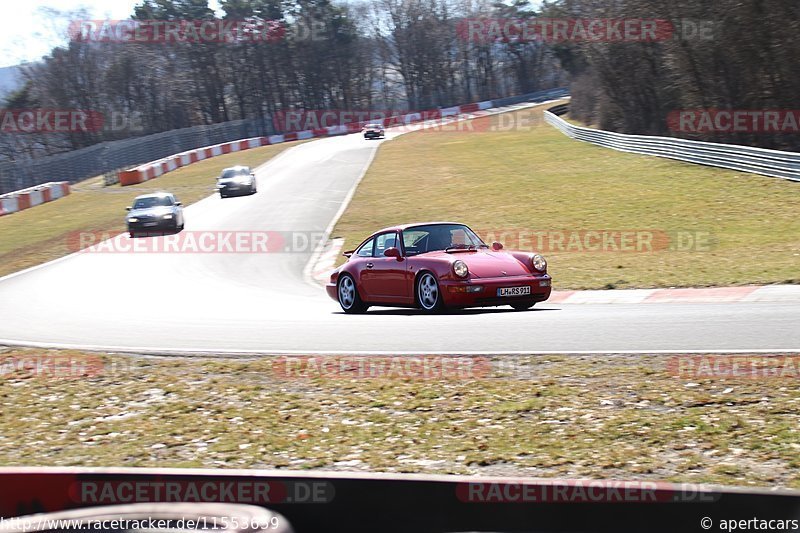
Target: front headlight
[
  {"x": 538, "y": 262},
  {"x": 460, "y": 269},
  {"x": 133, "y": 220},
  {"x": 167, "y": 217}
]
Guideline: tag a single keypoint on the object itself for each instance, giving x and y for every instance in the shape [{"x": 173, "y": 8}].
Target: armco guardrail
[
  {"x": 78, "y": 165},
  {"x": 762, "y": 161}
]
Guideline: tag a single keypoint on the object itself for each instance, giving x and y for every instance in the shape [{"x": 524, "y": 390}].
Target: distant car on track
[
  {"x": 155, "y": 212},
  {"x": 235, "y": 181},
  {"x": 374, "y": 131},
  {"x": 437, "y": 265}
]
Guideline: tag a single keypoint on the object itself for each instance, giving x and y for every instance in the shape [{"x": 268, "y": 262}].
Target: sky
[{"x": 29, "y": 29}]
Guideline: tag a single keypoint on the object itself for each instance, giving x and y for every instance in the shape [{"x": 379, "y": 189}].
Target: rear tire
[
  {"x": 429, "y": 297},
  {"x": 349, "y": 299}
]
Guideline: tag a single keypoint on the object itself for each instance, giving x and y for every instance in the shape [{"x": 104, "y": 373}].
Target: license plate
[
  {"x": 150, "y": 224},
  {"x": 513, "y": 291}
]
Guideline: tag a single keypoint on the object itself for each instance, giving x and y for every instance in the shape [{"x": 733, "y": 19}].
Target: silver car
[{"x": 235, "y": 181}]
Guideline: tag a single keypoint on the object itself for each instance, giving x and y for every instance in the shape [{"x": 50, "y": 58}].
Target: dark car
[
  {"x": 235, "y": 181},
  {"x": 154, "y": 213},
  {"x": 374, "y": 131}
]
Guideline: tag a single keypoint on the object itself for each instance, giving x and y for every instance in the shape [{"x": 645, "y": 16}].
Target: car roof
[
  {"x": 402, "y": 227},
  {"x": 154, "y": 195}
]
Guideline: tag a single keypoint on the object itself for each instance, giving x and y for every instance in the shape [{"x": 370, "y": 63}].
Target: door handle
[{"x": 370, "y": 265}]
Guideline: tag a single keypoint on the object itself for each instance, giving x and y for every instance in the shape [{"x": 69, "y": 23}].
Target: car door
[
  {"x": 385, "y": 278},
  {"x": 362, "y": 264}
]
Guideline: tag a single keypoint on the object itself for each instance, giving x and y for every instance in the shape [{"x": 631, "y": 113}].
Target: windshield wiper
[{"x": 460, "y": 247}]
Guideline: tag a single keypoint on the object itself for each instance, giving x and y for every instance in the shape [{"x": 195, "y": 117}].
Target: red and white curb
[
  {"x": 748, "y": 293},
  {"x": 321, "y": 271},
  {"x": 13, "y": 202}
]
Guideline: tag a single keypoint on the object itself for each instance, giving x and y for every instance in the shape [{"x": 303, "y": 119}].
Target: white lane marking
[
  {"x": 311, "y": 265},
  {"x": 144, "y": 350}
]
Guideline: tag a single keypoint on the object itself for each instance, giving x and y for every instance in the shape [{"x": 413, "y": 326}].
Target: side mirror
[
  {"x": 348, "y": 253},
  {"x": 496, "y": 246},
  {"x": 393, "y": 252},
  {"x": 178, "y": 203},
  {"x": 128, "y": 208}
]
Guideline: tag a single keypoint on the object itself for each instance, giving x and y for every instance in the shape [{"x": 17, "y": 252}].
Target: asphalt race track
[{"x": 261, "y": 302}]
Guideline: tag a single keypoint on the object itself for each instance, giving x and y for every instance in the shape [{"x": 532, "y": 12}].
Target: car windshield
[
  {"x": 374, "y": 126},
  {"x": 234, "y": 173},
  {"x": 152, "y": 201},
  {"x": 437, "y": 237}
]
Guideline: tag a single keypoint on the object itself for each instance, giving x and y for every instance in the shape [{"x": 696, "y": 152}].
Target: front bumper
[
  {"x": 372, "y": 134},
  {"x": 330, "y": 288},
  {"x": 238, "y": 188},
  {"x": 152, "y": 225},
  {"x": 484, "y": 292}
]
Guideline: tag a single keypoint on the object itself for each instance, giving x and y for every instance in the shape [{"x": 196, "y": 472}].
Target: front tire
[
  {"x": 429, "y": 297},
  {"x": 349, "y": 299}
]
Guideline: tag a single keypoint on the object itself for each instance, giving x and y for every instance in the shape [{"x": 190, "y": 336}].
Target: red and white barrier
[
  {"x": 154, "y": 169},
  {"x": 32, "y": 196}
]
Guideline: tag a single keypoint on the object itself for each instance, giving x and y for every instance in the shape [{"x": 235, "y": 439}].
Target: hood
[
  {"x": 487, "y": 263},
  {"x": 151, "y": 211}
]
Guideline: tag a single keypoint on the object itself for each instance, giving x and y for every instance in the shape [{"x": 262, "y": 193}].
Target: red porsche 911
[{"x": 437, "y": 265}]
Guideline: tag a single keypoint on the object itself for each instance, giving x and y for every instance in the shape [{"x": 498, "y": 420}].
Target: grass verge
[
  {"x": 549, "y": 416},
  {"x": 37, "y": 235},
  {"x": 710, "y": 227}
]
